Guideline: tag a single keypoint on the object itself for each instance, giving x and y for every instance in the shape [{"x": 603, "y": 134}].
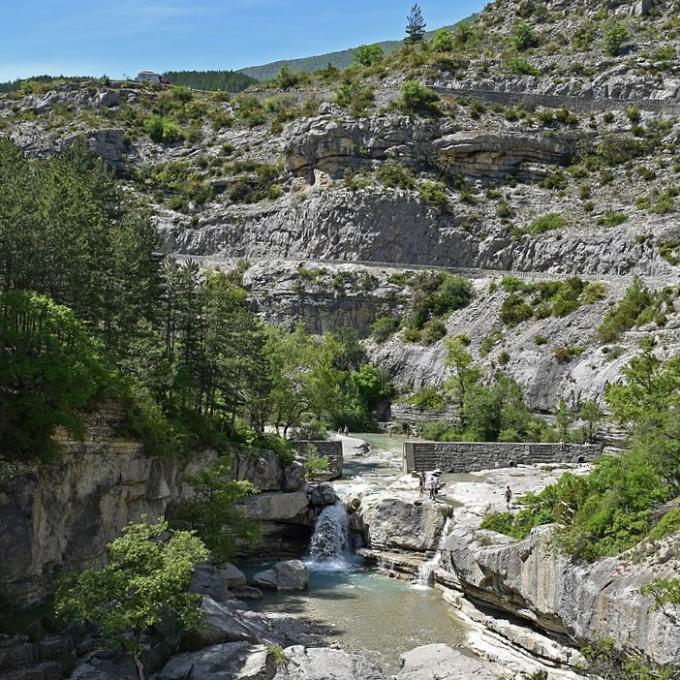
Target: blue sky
[{"x": 117, "y": 37}]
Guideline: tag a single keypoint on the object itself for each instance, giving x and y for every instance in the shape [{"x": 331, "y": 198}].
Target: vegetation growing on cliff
[
  {"x": 179, "y": 347},
  {"x": 490, "y": 410},
  {"x": 610, "y": 509},
  {"x": 144, "y": 586}
]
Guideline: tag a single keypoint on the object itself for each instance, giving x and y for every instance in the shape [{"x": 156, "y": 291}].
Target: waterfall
[
  {"x": 330, "y": 545},
  {"x": 427, "y": 569}
]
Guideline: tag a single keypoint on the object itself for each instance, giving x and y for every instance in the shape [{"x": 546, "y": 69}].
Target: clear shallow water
[{"x": 370, "y": 613}]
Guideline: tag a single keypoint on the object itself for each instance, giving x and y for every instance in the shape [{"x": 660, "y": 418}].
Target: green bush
[
  {"x": 669, "y": 524},
  {"x": 614, "y": 37},
  {"x": 520, "y": 66},
  {"x": 549, "y": 222},
  {"x": 162, "y": 130},
  {"x": 434, "y": 193},
  {"x": 523, "y": 37},
  {"x": 515, "y": 310},
  {"x": 429, "y": 398},
  {"x": 612, "y": 219},
  {"x": 627, "y": 313},
  {"x": 567, "y": 353},
  {"x": 384, "y": 327},
  {"x": 396, "y": 175},
  {"x": 433, "y": 331},
  {"x": 369, "y": 55},
  {"x": 417, "y": 98},
  {"x": 356, "y": 98},
  {"x": 442, "y": 41}
]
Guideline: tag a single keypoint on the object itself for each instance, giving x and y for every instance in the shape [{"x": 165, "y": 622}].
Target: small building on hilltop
[{"x": 151, "y": 77}]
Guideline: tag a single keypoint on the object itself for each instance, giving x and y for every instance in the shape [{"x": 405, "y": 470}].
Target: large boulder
[
  {"x": 262, "y": 468},
  {"x": 229, "y": 661},
  {"x": 534, "y": 582},
  {"x": 326, "y": 664},
  {"x": 276, "y": 506},
  {"x": 444, "y": 663},
  {"x": 284, "y": 576},
  {"x": 392, "y": 522},
  {"x": 216, "y": 582},
  {"x": 102, "y": 666},
  {"x": 321, "y": 495},
  {"x": 222, "y": 624}
]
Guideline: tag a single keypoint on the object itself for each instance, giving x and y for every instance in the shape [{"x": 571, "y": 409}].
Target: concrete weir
[{"x": 478, "y": 456}]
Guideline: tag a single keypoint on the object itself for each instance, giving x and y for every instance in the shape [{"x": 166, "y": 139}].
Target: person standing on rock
[
  {"x": 346, "y": 430},
  {"x": 434, "y": 483},
  {"x": 508, "y": 496}
]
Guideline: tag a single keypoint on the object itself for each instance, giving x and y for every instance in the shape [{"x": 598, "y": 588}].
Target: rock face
[
  {"x": 498, "y": 157},
  {"x": 391, "y": 523},
  {"x": 284, "y": 576},
  {"x": 230, "y": 661},
  {"x": 581, "y": 602},
  {"x": 62, "y": 516},
  {"x": 326, "y": 664},
  {"x": 443, "y": 663},
  {"x": 217, "y": 582}
]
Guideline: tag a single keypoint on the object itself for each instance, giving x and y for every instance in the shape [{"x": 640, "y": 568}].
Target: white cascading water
[
  {"x": 427, "y": 569},
  {"x": 330, "y": 546}
]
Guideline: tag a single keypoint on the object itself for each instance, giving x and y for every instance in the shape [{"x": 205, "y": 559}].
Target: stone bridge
[{"x": 476, "y": 456}]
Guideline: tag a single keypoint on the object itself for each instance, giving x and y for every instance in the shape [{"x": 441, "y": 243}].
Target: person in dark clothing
[
  {"x": 434, "y": 487},
  {"x": 508, "y": 496}
]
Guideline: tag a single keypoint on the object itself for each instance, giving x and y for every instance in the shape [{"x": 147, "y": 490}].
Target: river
[{"x": 362, "y": 610}]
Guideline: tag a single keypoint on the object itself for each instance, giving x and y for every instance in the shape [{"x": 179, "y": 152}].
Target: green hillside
[
  {"x": 229, "y": 81},
  {"x": 341, "y": 59}
]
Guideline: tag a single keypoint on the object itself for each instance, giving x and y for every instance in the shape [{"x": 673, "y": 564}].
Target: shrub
[
  {"x": 612, "y": 219},
  {"x": 434, "y": 193},
  {"x": 614, "y": 37},
  {"x": 442, "y": 41},
  {"x": 251, "y": 111},
  {"x": 146, "y": 580},
  {"x": 523, "y": 37},
  {"x": 669, "y": 524},
  {"x": 162, "y": 130},
  {"x": 354, "y": 97},
  {"x": 565, "y": 354},
  {"x": 429, "y": 398},
  {"x": 384, "y": 327},
  {"x": 285, "y": 78},
  {"x": 548, "y": 222},
  {"x": 396, "y": 175},
  {"x": 627, "y": 313},
  {"x": 520, "y": 66},
  {"x": 618, "y": 149},
  {"x": 433, "y": 331},
  {"x": 417, "y": 98},
  {"x": 369, "y": 55},
  {"x": 633, "y": 114},
  {"x": 514, "y": 310},
  {"x": 540, "y": 340}
]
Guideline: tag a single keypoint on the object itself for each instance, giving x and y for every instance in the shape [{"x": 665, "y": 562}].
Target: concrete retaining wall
[
  {"x": 474, "y": 457},
  {"x": 330, "y": 449}
]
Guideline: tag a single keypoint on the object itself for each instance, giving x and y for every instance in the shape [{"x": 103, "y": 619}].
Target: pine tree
[{"x": 415, "y": 28}]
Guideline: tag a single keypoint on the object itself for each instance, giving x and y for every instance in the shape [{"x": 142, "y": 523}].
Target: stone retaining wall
[
  {"x": 558, "y": 101},
  {"x": 330, "y": 449},
  {"x": 406, "y": 413},
  {"x": 474, "y": 456}
]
